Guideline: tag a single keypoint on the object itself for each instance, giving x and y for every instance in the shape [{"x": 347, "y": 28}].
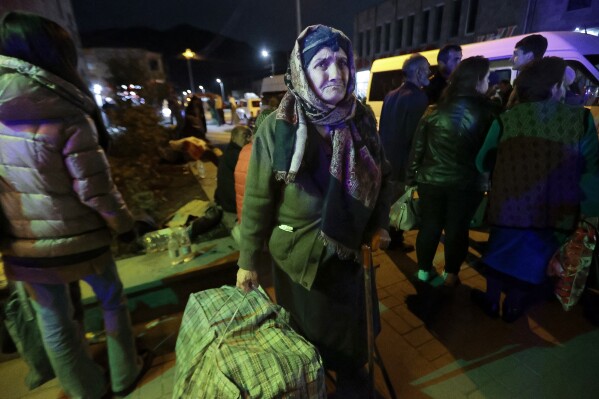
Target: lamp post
[
  {"x": 266, "y": 54},
  {"x": 202, "y": 88},
  {"x": 222, "y": 87},
  {"x": 298, "y": 16},
  {"x": 189, "y": 55}
]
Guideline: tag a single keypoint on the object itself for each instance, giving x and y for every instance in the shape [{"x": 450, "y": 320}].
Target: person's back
[
  {"x": 59, "y": 201},
  {"x": 225, "y": 189},
  {"x": 401, "y": 112},
  {"x": 550, "y": 143},
  {"x": 455, "y": 133}
]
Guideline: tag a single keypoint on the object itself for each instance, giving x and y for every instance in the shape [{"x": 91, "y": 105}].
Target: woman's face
[
  {"x": 483, "y": 84},
  {"x": 328, "y": 73}
]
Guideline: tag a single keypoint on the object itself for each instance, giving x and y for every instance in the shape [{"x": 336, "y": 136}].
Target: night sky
[{"x": 269, "y": 24}]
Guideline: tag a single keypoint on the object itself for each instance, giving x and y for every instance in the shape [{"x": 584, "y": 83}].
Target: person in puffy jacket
[
  {"x": 450, "y": 187},
  {"x": 59, "y": 203}
]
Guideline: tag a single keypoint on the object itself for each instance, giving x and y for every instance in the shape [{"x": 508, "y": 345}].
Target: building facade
[
  {"x": 403, "y": 26},
  {"x": 98, "y": 73}
]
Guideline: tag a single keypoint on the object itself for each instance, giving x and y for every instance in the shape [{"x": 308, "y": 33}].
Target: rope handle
[{"x": 262, "y": 294}]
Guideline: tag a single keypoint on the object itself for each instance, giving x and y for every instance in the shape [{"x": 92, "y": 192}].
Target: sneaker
[{"x": 425, "y": 276}]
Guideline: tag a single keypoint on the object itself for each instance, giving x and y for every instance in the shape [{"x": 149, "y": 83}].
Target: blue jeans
[{"x": 64, "y": 340}]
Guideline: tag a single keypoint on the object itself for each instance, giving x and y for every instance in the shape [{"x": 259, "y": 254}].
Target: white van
[{"x": 581, "y": 51}]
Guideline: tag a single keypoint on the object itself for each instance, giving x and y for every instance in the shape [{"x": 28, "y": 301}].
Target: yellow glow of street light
[{"x": 189, "y": 54}]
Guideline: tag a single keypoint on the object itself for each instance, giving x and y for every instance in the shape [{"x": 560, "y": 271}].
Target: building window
[
  {"x": 378, "y": 42},
  {"x": 387, "y": 37},
  {"x": 471, "y": 21},
  {"x": 438, "y": 23},
  {"x": 410, "y": 31},
  {"x": 360, "y": 44},
  {"x": 455, "y": 20},
  {"x": 426, "y": 15},
  {"x": 367, "y": 43},
  {"x": 398, "y": 33},
  {"x": 578, "y": 4}
]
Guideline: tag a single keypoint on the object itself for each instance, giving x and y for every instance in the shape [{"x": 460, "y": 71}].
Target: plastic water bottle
[
  {"x": 156, "y": 241},
  {"x": 179, "y": 246},
  {"x": 185, "y": 251},
  {"x": 173, "y": 248}
]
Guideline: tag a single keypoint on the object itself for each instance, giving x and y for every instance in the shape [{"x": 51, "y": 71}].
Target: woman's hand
[
  {"x": 380, "y": 240},
  {"x": 247, "y": 280}
]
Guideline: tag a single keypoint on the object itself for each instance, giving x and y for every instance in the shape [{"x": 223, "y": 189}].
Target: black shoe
[
  {"x": 147, "y": 358},
  {"x": 481, "y": 300},
  {"x": 511, "y": 313}
]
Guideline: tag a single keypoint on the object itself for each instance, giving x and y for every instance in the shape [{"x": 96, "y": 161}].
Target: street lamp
[
  {"x": 202, "y": 88},
  {"x": 222, "y": 88},
  {"x": 189, "y": 55},
  {"x": 266, "y": 54}
]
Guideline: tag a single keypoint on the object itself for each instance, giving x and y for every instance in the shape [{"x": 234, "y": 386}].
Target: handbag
[
  {"x": 405, "y": 212},
  {"x": 571, "y": 263}
]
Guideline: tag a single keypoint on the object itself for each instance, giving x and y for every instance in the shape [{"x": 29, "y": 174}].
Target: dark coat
[
  {"x": 225, "y": 189},
  {"x": 401, "y": 113},
  {"x": 435, "y": 88}
]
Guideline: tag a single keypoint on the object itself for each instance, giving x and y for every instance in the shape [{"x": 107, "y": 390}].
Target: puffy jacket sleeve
[
  {"x": 241, "y": 171},
  {"x": 90, "y": 172}
]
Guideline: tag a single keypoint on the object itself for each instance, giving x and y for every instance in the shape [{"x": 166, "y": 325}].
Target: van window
[
  {"x": 584, "y": 85},
  {"x": 383, "y": 82},
  {"x": 502, "y": 74},
  {"x": 593, "y": 59}
]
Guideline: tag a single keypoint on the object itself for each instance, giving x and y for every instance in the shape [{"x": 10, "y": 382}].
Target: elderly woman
[
  {"x": 442, "y": 164},
  {"x": 317, "y": 190},
  {"x": 546, "y": 173}
]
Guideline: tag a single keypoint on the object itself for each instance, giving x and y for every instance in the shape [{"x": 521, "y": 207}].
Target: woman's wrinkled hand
[
  {"x": 380, "y": 240},
  {"x": 247, "y": 280}
]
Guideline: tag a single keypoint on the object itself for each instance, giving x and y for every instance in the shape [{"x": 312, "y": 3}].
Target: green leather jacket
[{"x": 447, "y": 141}]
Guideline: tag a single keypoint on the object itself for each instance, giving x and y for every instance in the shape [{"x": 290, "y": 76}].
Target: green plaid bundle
[{"x": 237, "y": 345}]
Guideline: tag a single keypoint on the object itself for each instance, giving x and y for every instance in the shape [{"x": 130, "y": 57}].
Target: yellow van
[{"x": 581, "y": 51}]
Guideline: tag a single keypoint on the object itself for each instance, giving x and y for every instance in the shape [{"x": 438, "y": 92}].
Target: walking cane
[{"x": 373, "y": 353}]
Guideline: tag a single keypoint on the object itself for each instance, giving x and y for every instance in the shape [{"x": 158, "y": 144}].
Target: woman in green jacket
[{"x": 317, "y": 190}]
